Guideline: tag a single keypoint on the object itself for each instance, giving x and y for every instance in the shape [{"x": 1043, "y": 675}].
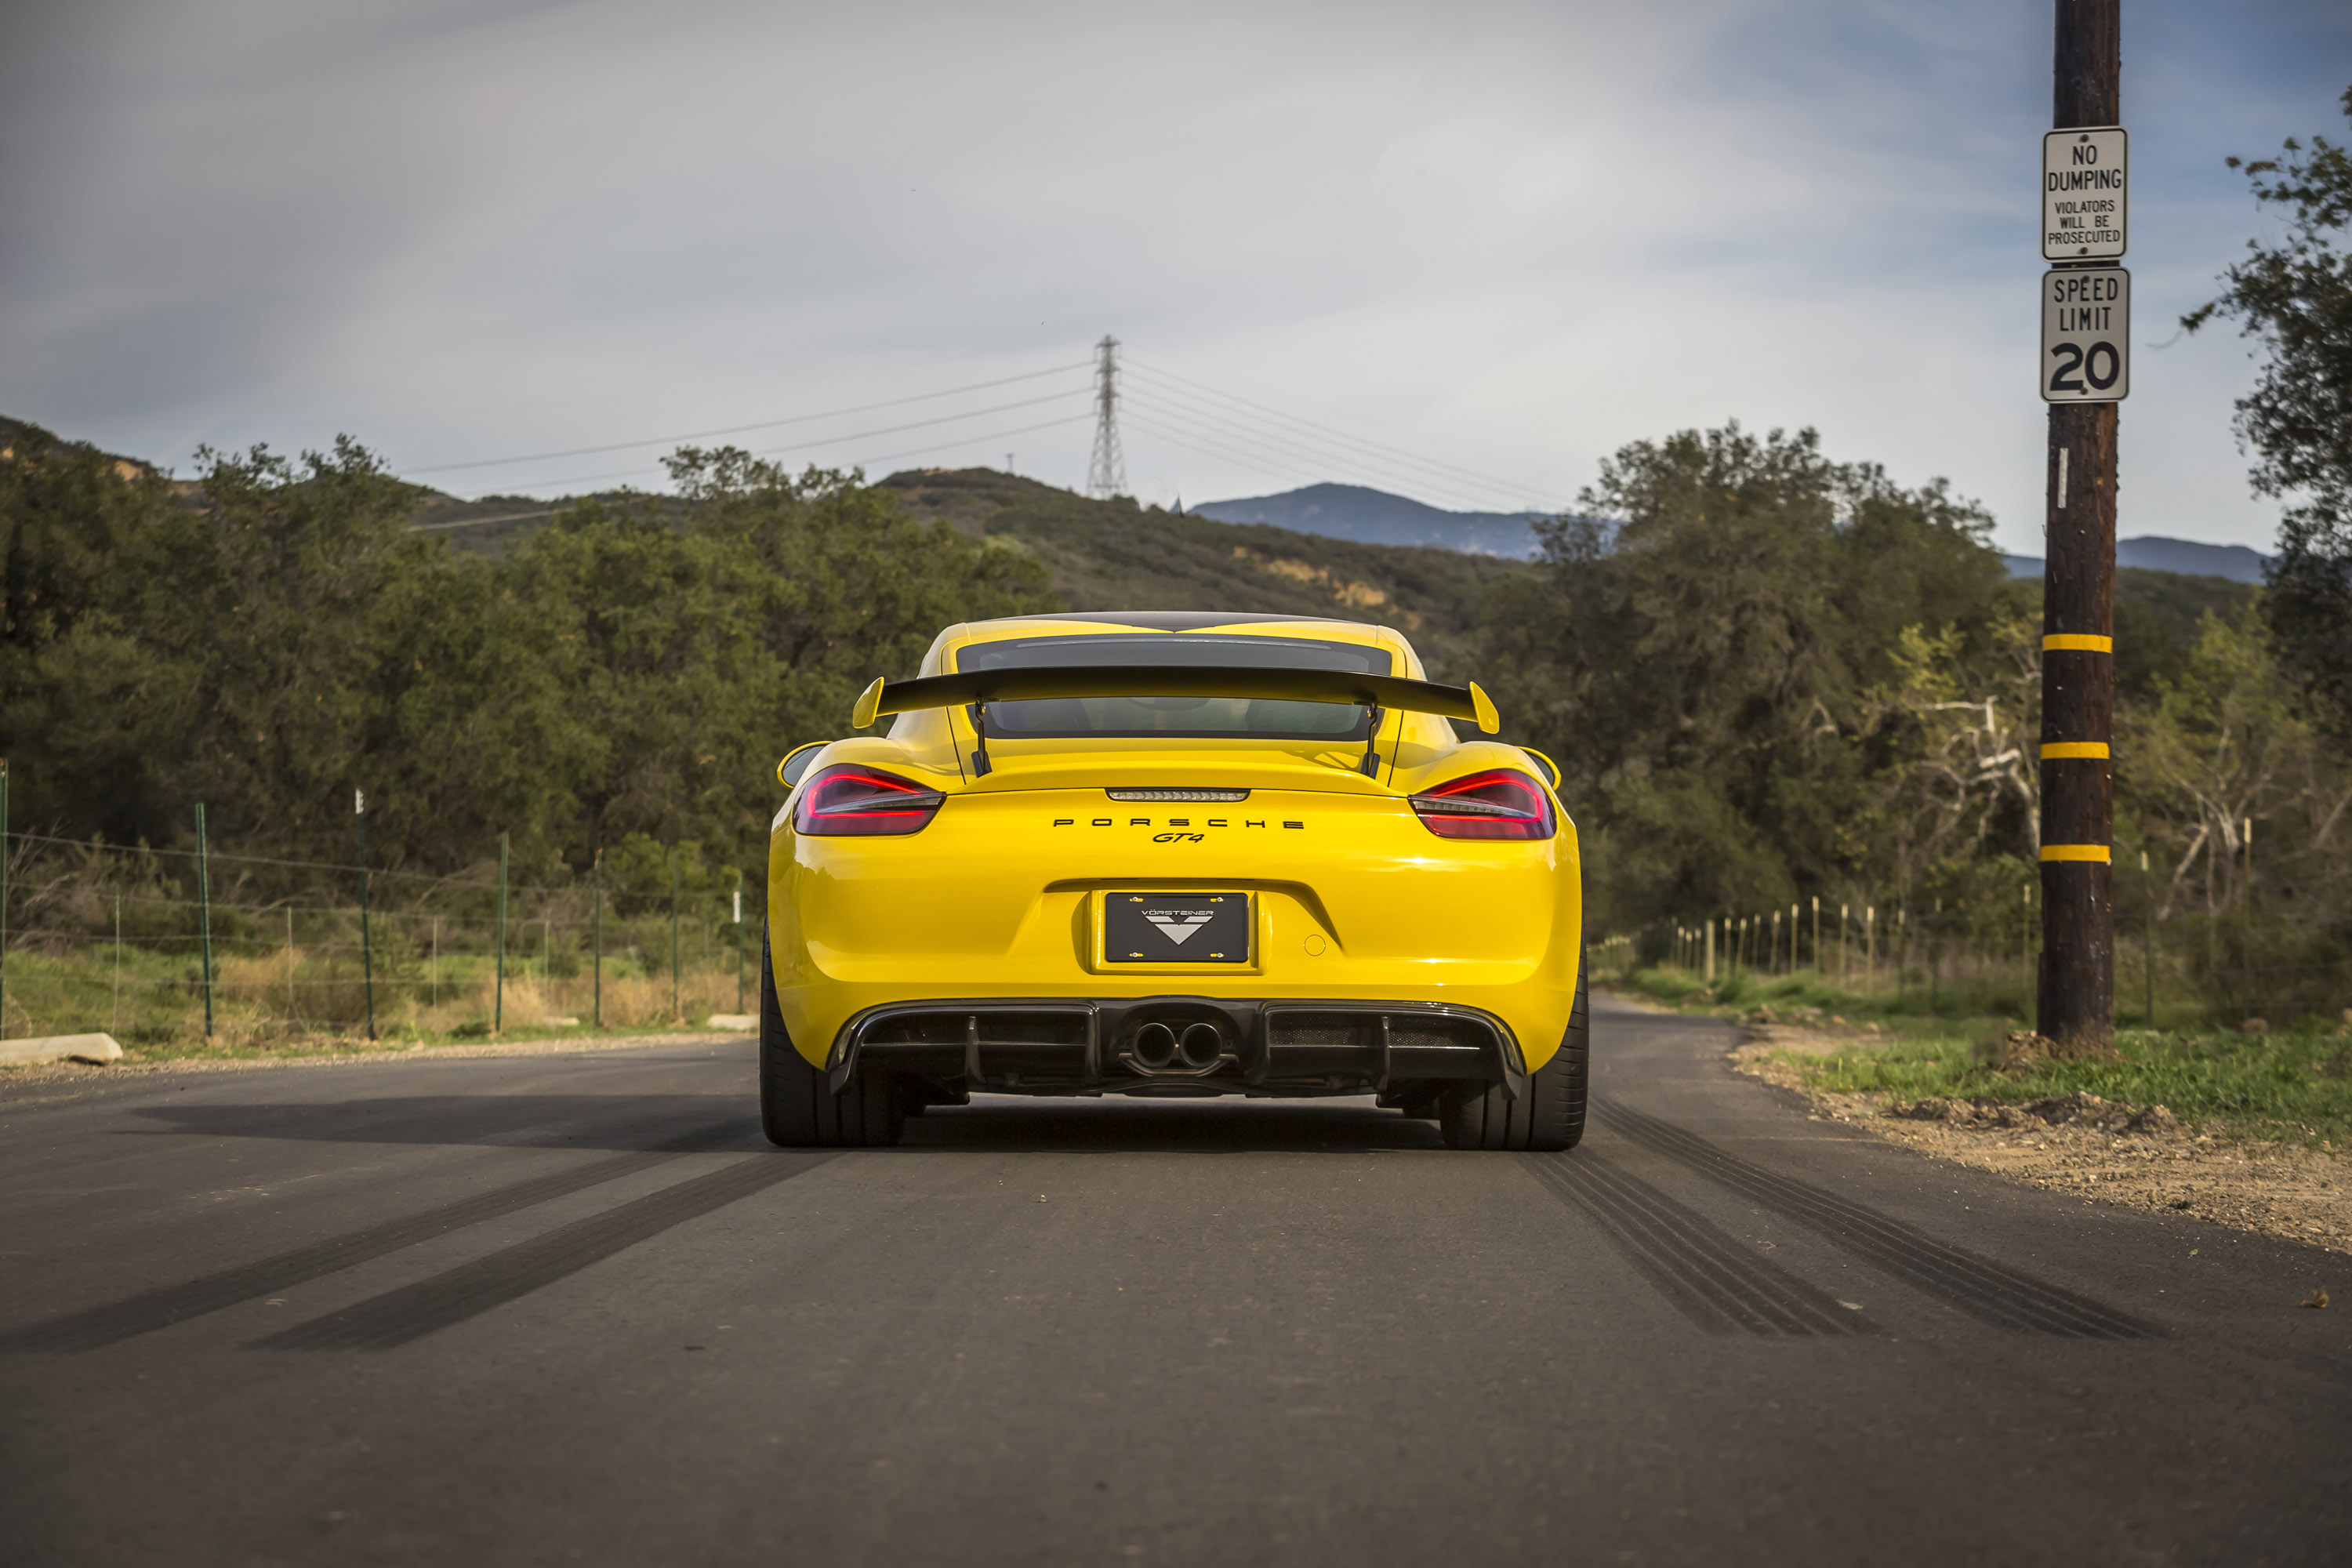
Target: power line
[
  {"x": 1281, "y": 445},
  {"x": 1207, "y": 449},
  {"x": 1384, "y": 447},
  {"x": 1397, "y": 467},
  {"x": 832, "y": 440},
  {"x": 858, "y": 462},
  {"x": 740, "y": 429},
  {"x": 972, "y": 440}
]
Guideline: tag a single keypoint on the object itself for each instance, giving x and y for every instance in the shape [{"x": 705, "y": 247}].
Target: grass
[
  {"x": 157, "y": 1013},
  {"x": 2293, "y": 1082}
]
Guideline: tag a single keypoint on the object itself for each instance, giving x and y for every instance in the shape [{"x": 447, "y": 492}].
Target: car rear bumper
[{"x": 1265, "y": 1045}]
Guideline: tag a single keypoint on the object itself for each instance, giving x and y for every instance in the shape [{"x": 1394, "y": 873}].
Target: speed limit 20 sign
[{"x": 2085, "y": 335}]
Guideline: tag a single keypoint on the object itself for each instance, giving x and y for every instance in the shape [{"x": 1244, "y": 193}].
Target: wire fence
[
  {"x": 153, "y": 945},
  {"x": 2227, "y": 966}
]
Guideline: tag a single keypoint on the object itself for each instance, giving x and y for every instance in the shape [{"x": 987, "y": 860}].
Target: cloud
[{"x": 1508, "y": 237}]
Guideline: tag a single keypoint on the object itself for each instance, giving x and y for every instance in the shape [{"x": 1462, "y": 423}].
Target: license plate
[{"x": 1176, "y": 928}]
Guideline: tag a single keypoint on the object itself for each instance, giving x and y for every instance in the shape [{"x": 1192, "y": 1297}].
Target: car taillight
[
  {"x": 851, "y": 799},
  {"x": 1497, "y": 805}
]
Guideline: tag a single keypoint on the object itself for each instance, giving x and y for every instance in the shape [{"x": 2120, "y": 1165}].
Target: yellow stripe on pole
[
  {"x": 2098, "y": 852},
  {"x": 2076, "y": 642},
  {"x": 2054, "y": 750}
]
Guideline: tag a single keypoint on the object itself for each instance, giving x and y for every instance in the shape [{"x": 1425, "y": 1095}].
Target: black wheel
[
  {"x": 1550, "y": 1115},
  {"x": 797, "y": 1107}
]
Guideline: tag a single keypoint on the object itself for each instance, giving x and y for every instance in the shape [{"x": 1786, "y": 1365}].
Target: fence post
[
  {"x": 738, "y": 944},
  {"x": 596, "y": 937},
  {"x": 2148, "y": 938},
  {"x": 205, "y": 912},
  {"x": 2025, "y": 952},
  {"x": 1710, "y": 950},
  {"x": 367, "y": 951},
  {"x": 499, "y": 1003},
  {"x": 676, "y": 1012}
]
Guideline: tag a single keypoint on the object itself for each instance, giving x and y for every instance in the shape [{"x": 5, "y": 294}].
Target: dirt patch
[{"x": 2134, "y": 1156}]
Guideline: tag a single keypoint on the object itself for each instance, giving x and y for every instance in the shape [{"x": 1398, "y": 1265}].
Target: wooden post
[
  {"x": 205, "y": 912},
  {"x": 367, "y": 951},
  {"x": 2075, "y": 990},
  {"x": 499, "y": 1002},
  {"x": 596, "y": 936}
]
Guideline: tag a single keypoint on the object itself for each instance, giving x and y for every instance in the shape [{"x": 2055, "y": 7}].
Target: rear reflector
[
  {"x": 853, "y": 799},
  {"x": 1495, "y": 805}
]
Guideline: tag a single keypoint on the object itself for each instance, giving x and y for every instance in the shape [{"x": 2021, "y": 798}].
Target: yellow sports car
[{"x": 1172, "y": 855}]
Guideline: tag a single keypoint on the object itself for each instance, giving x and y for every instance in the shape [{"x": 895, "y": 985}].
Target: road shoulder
[{"x": 2105, "y": 1152}]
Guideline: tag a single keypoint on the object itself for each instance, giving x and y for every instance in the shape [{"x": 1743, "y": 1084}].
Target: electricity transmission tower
[{"x": 1107, "y": 474}]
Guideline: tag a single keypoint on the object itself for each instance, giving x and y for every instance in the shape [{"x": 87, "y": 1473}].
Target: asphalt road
[{"x": 571, "y": 1309}]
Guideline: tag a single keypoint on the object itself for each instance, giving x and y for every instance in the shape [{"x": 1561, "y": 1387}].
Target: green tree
[
  {"x": 2296, "y": 296},
  {"x": 1703, "y": 653},
  {"x": 81, "y": 706},
  {"x": 703, "y": 637}
]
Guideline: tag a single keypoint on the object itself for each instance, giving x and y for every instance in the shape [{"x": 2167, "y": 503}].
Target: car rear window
[{"x": 1175, "y": 718}]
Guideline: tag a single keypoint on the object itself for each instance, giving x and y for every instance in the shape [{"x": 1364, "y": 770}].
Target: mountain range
[
  {"x": 1367, "y": 516},
  {"x": 2185, "y": 557}
]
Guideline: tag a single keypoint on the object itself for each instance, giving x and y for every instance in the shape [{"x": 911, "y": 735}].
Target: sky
[{"x": 1459, "y": 252}]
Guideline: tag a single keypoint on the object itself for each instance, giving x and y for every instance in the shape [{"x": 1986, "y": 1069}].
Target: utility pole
[
  {"x": 1107, "y": 474},
  {"x": 2076, "y": 990}
]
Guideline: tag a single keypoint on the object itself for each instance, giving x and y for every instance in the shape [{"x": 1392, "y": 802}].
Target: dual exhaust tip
[{"x": 1158, "y": 1047}]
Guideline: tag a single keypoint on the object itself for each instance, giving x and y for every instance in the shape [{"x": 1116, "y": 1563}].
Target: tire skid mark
[
  {"x": 1712, "y": 1278},
  {"x": 97, "y": 1327},
  {"x": 393, "y": 1319},
  {"x": 1991, "y": 1292}
]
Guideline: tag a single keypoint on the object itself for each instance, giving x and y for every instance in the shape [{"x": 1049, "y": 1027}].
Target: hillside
[
  {"x": 1118, "y": 555},
  {"x": 1367, "y": 516},
  {"x": 2183, "y": 557}
]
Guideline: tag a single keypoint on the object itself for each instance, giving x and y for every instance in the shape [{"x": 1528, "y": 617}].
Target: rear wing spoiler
[{"x": 1022, "y": 685}]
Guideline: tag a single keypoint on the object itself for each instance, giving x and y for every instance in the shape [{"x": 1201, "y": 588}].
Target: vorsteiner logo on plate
[
  {"x": 1176, "y": 928},
  {"x": 1178, "y": 924}
]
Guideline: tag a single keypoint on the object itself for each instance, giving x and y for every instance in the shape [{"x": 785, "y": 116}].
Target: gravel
[{"x": 2133, "y": 1156}]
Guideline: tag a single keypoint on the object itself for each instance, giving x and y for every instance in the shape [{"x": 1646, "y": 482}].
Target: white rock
[
  {"x": 745, "y": 1021},
  {"x": 555, "y": 1021},
  {"x": 92, "y": 1048}
]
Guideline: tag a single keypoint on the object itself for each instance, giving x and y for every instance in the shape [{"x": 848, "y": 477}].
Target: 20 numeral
[{"x": 2078, "y": 365}]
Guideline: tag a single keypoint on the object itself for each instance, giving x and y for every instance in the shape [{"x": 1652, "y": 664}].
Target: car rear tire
[
  {"x": 798, "y": 1109},
  {"x": 1549, "y": 1116}
]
